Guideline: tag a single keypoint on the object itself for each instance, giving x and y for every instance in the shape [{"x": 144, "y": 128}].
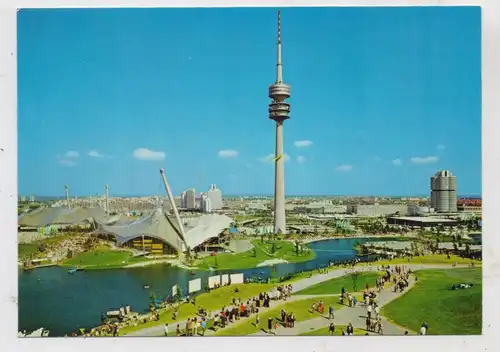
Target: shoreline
[{"x": 175, "y": 262}]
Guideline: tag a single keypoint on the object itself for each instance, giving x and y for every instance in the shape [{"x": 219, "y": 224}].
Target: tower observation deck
[{"x": 279, "y": 111}]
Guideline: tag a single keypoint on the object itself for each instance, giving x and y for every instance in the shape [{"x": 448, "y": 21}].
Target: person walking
[
  {"x": 350, "y": 330},
  {"x": 331, "y": 329},
  {"x": 380, "y": 331},
  {"x": 166, "y": 329},
  {"x": 330, "y": 312},
  {"x": 369, "y": 311},
  {"x": 203, "y": 326},
  {"x": 257, "y": 320}
]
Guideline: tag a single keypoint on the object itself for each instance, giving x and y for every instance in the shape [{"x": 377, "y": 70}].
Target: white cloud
[
  {"x": 71, "y": 154},
  {"x": 344, "y": 167},
  {"x": 421, "y": 160},
  {"x": 397, "y": 162},
  {"x": 148, "y": 154},
  {"x": 303, "y": 143},
  {"x": 270, "y": 158},
  {"x": 65, "y": 162},
  {"x": 225, "y": 154},
  {"x": 96, "y": 154},
  {"x": 301, "y": 159},
  {"x": 440, "y": 147}
]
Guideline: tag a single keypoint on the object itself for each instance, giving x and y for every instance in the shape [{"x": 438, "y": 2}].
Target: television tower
[{"x": 278, "y": 111}]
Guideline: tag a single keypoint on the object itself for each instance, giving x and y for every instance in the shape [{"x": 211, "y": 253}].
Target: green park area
[
  {"x": 432, "y": 300},
  {"x": 334, "y": 286},
  {"x": 338, "y": 331},
  {"x": 300, "y": 308},
  {"x": 262, "y": 251},
  {"x": 36, "y": 249},
  {"x": 426, "y": 259},
  {"x": 102, "y": 258},
  {"x": 212, "y": 301}
]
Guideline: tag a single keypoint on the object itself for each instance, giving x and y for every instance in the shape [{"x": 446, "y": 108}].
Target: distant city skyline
[{"x": 383, "y": 99}]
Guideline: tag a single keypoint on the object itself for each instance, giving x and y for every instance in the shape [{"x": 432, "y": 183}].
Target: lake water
[{"x": 62, "y": 303}]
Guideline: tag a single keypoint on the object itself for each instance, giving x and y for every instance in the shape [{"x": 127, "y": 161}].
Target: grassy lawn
[
  {"x": 27, "y": 250},
  {"x": 31, "y": 250},
  {"x": 447, "y": 312},
  {"x": 334, "y": 286},
  {"x": 102, "y": 257},
  {"x": 284, "y": 250},
  {"x": 301, "y": 310},
  {"x": 212, "y": 301},
  {"x": 338, "y": 331},
  {"x": 427, "y": 259}
]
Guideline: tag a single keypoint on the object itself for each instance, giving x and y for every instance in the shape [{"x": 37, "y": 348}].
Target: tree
[
  {"x": 355, "y": 276},
  {"x": 254, "y": 252},
  {"x": 467, "y": 250},
  {"x": 297, "y": 248},
  {"x": 273, "y": 248}
]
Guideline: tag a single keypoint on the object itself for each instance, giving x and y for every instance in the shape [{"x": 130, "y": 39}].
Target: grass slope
[
  {"x": 299, "y": 308},
  {"x": 102, "y": 257},
  {"x": 225, "y": 261},
  {"x": 212, "y": 301},
  {"x": 334, "y": 286},
  {"x": 447, "y": 312}
]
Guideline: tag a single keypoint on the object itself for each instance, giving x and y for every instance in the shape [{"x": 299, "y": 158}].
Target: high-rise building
[
  {"x": 279, "y": 111},
  {"x": 23, "y": 198},
  {"x": 205, "y": 203},
  {"x": 183, "y": 200},
  {"x": 215, "y": 196},
  {"x": 444, "y": 192},
  {"x": 32, "y": 198},
  {"x": 191, "y": 198}
]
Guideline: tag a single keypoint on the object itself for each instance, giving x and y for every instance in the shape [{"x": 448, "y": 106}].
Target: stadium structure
[{"x": 155, "y": 233}]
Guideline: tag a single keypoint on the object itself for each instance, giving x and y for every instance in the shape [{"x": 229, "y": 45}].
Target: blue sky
[{"x": 381, "y": 99}]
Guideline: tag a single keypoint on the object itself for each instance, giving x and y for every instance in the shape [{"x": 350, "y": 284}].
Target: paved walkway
[
  {"x": 344, "y": 316},
  {"x": 356, "y": 316}
]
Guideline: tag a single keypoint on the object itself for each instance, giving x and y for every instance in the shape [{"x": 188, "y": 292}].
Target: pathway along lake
[{"x": 53, "y": 299}]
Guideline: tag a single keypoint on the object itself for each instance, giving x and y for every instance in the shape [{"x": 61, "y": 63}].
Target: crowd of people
[{"x": 237, "y": 309}]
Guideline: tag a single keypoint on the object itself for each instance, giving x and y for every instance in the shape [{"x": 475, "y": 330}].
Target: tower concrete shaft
[
  {"x": 279, "y": 182},
  {"x": 67, "y": 196},
  {"x": 106, "y": 189},
  {"x": 279, "y": 112}
]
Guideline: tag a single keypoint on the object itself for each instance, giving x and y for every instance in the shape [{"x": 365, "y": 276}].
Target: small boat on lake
[
  {"x": 72, "y": 270},
  {"x": 146, "y": 286}
]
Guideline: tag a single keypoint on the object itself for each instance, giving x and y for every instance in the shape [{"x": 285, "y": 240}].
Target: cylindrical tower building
[
  {"x": 444, "y": 192},
  {"x": 279, "y": 112}
]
